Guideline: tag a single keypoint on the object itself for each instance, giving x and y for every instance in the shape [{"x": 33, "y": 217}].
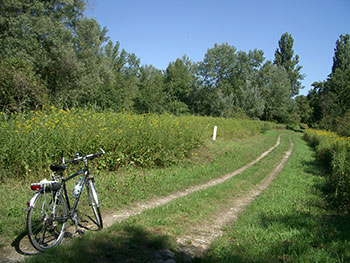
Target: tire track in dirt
[
  {"x": 123, "y": 214},
  {"x": 9, "y": 253},
  {"x": 200, "y": 239}
]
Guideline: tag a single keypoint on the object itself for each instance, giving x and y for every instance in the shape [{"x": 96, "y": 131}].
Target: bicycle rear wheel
[
  {"x": 46, "y": 220},
  {"x": 93, "y": 200}
]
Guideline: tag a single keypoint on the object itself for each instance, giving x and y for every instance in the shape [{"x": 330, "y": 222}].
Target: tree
[
  {"x": 323, "y": 102},
  {"x": 275, "y": 89},
  {"x": 330, "y": 99},
  {"x": 284, "y": 57},
  {"x": 179, "y": 80},
  {"x": 303, "y": 108},
  {"x": 20, "y": 88},
  {"x": 217, "y": 68},
  {"x": 251, "y": 100},
  {"x": 90, "y": 72},
  {"x": 41, "y": 33},
  {"x": 227, "y": 76},
  {"x": 62, "y": 46},
  {"x": 151, "y": 97},
  {"x": 341, "y": 59},
  {"x": 340, "y": 76},
  {"x": 121, "y": 81}
]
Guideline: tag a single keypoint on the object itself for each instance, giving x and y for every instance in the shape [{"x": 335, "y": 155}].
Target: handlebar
[{"x": 85, "y": 157}]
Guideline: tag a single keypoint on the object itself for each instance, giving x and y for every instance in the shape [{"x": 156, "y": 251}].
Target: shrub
[
  {"x": 334, "y": 150},
  {"x": 340, "y": 178}
]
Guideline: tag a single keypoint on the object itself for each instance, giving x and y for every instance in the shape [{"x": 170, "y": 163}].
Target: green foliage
[
  {"x": 340, "y": 179},
  {"x": 70, "y": 54},
  {"x": 284, "y": 58},
  {"x": 20, "y": 88},
  {"x": 31, "y": 142},
  {"x": 177, "y": 108},
  {"x": 151, "y": 97},
  {"x": 120, "y": 79},
  {"x": 341, "y": 59},
  {"x": 288, "y": 222},
  {"x": 41, "y": 33},
  {"x": 251, "y": 100},
  {"x": 217, "y": 68},
  {"x": 303, "y": 108},
  {"x": 330, "y": 100},
  {"x": 179, "y": 80},
  {"x": 228, "y": 81},
  {"x": 335, "y": 152},
  {"x": 276, "y": 93},
  {"x": 132, "y": 184},
  {"x": 343, "y": 124}
]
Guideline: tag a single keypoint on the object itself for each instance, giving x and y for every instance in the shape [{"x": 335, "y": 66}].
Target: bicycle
[{"x": 49, "y": 209}]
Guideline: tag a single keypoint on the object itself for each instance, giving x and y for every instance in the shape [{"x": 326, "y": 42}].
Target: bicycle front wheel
[
  {"x": 93, "y": 200},
  {"x": 46, "y": 220}
]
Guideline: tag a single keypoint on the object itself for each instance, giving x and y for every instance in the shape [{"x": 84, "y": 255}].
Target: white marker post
[{"x": 214, "y": 133}]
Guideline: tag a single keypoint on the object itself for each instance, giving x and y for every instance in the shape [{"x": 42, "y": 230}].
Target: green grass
[
  {"x": 136, "y": 239},
  {"x": 290, "y": 222},
  {"x": 212, "y": 161},
  {"x": 126, "y": 186},
  {"x": 177, "y": 217}
]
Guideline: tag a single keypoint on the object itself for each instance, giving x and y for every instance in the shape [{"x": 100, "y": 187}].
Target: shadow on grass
[
  {"x": 22, "y": 245},
  {"x": 125, "y": 244},
  {"x": 314, "y": 232},
  {"x": 314, "y": 239}
]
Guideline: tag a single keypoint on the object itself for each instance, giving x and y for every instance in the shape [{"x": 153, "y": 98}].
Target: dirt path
[
  {"x": 21, "y": 247},
  {"x": 111, "y": 218},
  {"x": 199, "y": 239}
]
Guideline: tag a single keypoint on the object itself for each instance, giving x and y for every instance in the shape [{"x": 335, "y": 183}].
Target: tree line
[
  {"x": 327, "y": 106},
  {"x": 51, "y": 54}
]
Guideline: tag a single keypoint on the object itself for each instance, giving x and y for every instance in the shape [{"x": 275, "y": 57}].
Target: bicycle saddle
[{"x": 57, "y": 167}]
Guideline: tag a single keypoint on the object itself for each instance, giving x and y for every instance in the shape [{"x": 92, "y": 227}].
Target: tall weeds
[
  {"x": 334, "y": 150},
  {"x": 30, "y": 142}
]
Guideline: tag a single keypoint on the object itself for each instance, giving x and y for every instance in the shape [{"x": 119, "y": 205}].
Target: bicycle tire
[
  {"x": 93, "y": 200},
  {"x": 46, "y": 221}
]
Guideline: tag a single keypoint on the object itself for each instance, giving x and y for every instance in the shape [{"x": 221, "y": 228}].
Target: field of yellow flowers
[
  {"x": 30, "y": 142},
  {"x": 334, "y": 150}
]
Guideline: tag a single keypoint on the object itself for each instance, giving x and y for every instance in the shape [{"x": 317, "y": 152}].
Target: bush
[
  {"x": 340, "y": 178},
  {"x": 334, "y": 150}
]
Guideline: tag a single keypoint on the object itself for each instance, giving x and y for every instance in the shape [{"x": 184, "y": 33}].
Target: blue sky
[{"x": 160, "y": 31}]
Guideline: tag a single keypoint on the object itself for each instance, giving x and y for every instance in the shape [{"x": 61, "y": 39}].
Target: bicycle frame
[{"x": 64, "y": 180}]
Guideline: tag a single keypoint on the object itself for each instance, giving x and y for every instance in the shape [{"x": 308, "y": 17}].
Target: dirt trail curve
[
  {"x": 140, "y": 207},
  {"x": 12, "y": 254},
  {"x": 199, "y": 239}
]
